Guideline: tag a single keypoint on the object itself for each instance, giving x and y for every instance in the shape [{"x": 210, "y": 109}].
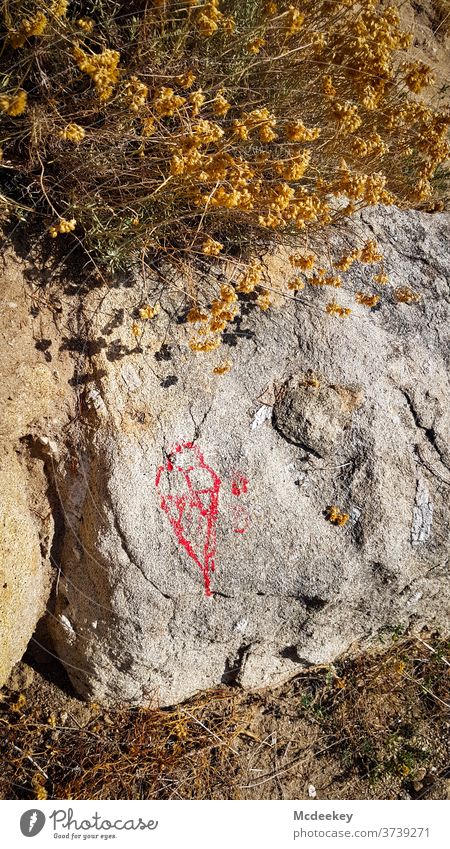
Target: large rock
[
  {"x": 197, "y": 547},
  {"x": 35, "y": 402},
  {"x": 24, "y": 576}
]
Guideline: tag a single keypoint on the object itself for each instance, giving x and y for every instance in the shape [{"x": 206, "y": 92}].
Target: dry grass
[
  {"x": 373, "y": 727},
  {"x": 206, "y": 130},
  {"x": 200, "y": 127}
]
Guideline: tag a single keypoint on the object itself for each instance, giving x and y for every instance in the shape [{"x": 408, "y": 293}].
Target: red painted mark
[
  {"x": 239, "y": 485},
  {"x": 193, "y": 505}
]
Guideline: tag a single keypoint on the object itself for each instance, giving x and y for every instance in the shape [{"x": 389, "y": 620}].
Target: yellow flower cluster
[
  {"x": 264, "y": 300},
  {"x": 405, "y": 295},
  {"x": 255, "y": 45},
  {"x": 418, "y": 76},
  {"x": 296, "y": 284},
  {"x": 322, "y": 279},
  {"x": 196, "y": 314},
  {"x": 345, "y": 262},
  {"x": 328, "y": 86},
  {"x": 63, "y": 226},
  {"x": 373, "y": 145},
  {"x": 220, "y": 105},
  {"x": 335, "y": 515},
  {"x": 369, "y": 188},
  {"x": 222, "y": 310},
  {"x": 136, "y": 93},
  {"x": 28, "y": 27},
  {"x": 38, "y": 785},
  {"x": 294, "y": 20},
  {"x": 186, "y": 79},
  {"x": 148, "y": 127},
  {"x": 102, "y": 69},
  {"x": 86, "y": 24},
  {"x": 304, "y": 262},
  {"x": 166, "y": 102},
  {"x": 211, "y": 248},
  {"x": 366, "y": 300},
  {"x": 297, "y": 132},
  {"x": 250, "y": 278},
  {"x": 14, "y": 104},
  {"x": 335, "y": 309},
  {"x": 59, "y": 8},
  {"x": 370, "y": 253},
  {"x": 260, "y": 119},
  {"x": 223, "y": 368},
  {"x": 205, "y": 345},
  {"x": 209, "y": 18},
  {"x": 73, "y": 133},
  {"x": 348, "y": 118},
  {"x": 148, "y": 312}
]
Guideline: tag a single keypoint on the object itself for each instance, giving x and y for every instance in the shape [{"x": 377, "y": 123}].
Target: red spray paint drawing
[{"x": 193, "y": 505}]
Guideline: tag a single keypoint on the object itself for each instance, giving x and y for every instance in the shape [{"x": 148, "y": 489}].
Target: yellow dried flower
[
  {"x": 405, "y": 295},
  {"x": 366, "y": 300},
  {"x": 187, "y": 79},
  {"x": 166, "y": 102},
  {"x": 295, "y": 20},
  {"x": 205, "y": 345},
  {"x": 369, "y": 253},
  {"x": 211, "y": 248},
  {"x": 86, "y": 24},
  {"x": 418, "y": 76},
  {"x": 223, "y": 368},
  {"x": 59, "y": 8},
  {"x": 346, "y": 261},
  {"x": 335, "y": 515},
  {"x": 28, "y": 28},
  {"x": 148, "y": 127},
  {"x": 102, "y": 69},
  {"x": 303, "y": 262},
  {"x": 63, "y": 226},
  {"x": 196, "y": 314},
  {"x": 220, "y": 105},
  {"x": 37, "y": 783},
  {"x": 136, "y": 93},
  {"x": 296, "y": 284},
  {"x": 250, "y": 278},
  {"x": 73, "y": 133},
  {"x": 196, "y": 99},
  {"x": 328, "y": 87},
  {"x": 149, "y": 312},
  {"x": 14, "y": 104},
  {"x": 255, "y": 45},
  {"x": 335, "y": 309},
  {"x": 264, "y": 300},
  {"x": 297, "y": 132}
]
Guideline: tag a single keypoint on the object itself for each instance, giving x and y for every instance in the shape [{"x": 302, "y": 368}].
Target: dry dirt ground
[
  {"x": 376, "y": 726},
  {"x": 373, "y": 727}
]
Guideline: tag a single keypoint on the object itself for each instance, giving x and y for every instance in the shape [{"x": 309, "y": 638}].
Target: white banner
[{"x": 230, "y": 824}]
